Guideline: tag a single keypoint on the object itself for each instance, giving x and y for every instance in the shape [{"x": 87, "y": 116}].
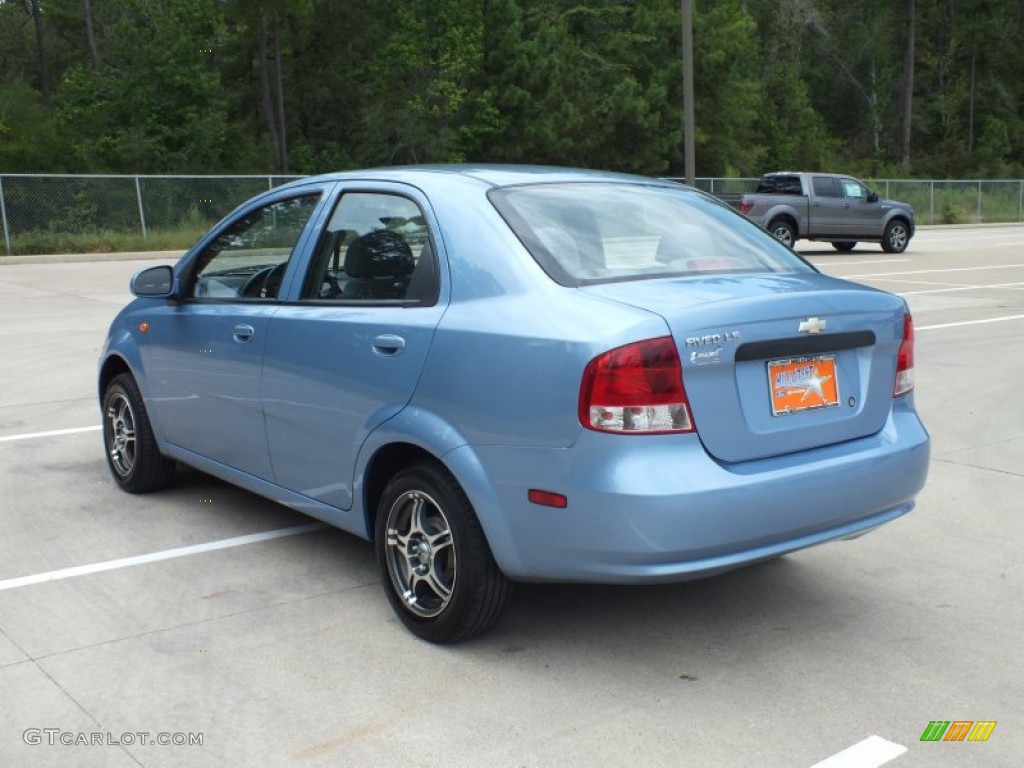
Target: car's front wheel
[
  {"x": 435, "y": 564},
  {"x": 133, "y": 456},
  {"x": 896, "y": 237}
]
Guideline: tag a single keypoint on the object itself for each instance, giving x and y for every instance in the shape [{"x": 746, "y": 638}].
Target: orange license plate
[{"x": 802, "y": 384}]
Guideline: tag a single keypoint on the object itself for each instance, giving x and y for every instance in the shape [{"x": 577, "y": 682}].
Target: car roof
[
  {"x": 491, "y": 175},
  {"x": 808, "y": 173}
]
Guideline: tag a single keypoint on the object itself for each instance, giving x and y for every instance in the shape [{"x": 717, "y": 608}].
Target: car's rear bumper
[{"x": 658, "y": 508}]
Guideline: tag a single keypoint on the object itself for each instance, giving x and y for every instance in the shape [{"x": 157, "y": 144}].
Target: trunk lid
[{"x": 776, "y": 363}]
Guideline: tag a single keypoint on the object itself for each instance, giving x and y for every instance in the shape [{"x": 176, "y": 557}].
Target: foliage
[
  {"x": 105, "y": 241},
  {"x": 211, "y": 86},
  {"x": 30, "y": 138}
]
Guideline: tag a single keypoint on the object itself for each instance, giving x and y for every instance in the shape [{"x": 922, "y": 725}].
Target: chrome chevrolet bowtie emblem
[{"x": 812, "y": 325}]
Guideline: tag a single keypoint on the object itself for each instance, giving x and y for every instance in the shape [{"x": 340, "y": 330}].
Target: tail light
[
  {"x": 636, "y": 389},
  {"x": 745, "y": 206},
  {"x": 905, "y": 359}
]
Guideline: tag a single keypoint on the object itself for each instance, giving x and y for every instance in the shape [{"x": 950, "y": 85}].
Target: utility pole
[{"x": 688, "y": 151}]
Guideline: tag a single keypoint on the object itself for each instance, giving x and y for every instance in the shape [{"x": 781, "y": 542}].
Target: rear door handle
[
  {"x": 388, "y": 345},
  {"x": 243, "y": 333}
]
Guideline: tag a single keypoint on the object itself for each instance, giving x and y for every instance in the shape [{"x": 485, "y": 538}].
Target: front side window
[
  {"x": 376, "y": 248},
  {"x": 248, "y": 259},
  {"x": 591, "y": 232},
  {"x": 854, "y": 190}
]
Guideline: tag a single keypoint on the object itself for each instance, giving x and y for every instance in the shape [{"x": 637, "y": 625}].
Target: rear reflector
[
  {"x": 905, "y": 359},
  {"x": 636, "y": 389},
  {"x": 547, "y": 498}
]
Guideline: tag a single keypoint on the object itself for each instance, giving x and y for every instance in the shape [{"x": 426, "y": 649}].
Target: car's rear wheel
[
  {"x": 896, "y": 237},
  {"x": 134, "y": 459},
  {"x": 434, "y": 561},
  {"x": 844, "y": 247},
  {"x": 783, "y": 231}
]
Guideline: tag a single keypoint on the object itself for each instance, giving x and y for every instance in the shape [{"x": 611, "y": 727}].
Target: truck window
[
  {"x": 825, "y": 186},
  {"x": 854, "y": 189},
  {"x": 780, "y": 185}
]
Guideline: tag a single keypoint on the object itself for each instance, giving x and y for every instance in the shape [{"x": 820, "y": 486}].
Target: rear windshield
[{"x": 592, "y": 232}]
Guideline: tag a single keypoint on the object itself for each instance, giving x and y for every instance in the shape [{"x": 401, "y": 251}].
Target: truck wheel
[
  {"x": 434, "y": 561},
  {"x": 782, "y": 231},
  {"x": 896, "y": 237},
  {"x": 844, "y": 247}
]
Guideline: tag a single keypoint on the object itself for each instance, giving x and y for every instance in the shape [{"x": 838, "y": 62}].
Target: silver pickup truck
[{"x": 824, "y": 206}]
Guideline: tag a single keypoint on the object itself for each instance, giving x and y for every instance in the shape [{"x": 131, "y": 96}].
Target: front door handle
[
  {"x": 243, "y": 333},
  {"x": 388, "y": 345}
]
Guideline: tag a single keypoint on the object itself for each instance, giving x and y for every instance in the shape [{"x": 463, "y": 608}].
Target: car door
[
  {"x": 828, "y": 209},
  {"x": 204, "y": 353},
  {"x": 863, "y": 218},
  {"x": 345, "y": 354}
]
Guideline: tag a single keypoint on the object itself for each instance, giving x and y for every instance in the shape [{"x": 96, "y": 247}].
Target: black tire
[
  {"x": 896, "y": 237},
  {"x": 435, "y": 564},
  {"x": 783, "y": 231},
  {"x": 132, "y": 454},
  {"x": 844, "y": 247}
]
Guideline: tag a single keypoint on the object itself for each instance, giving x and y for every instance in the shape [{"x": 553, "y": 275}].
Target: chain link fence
[
  {"x": 935, "y": 201},
  {"x": 81, "y": 213},
  {"x": 84, "y": 213}
]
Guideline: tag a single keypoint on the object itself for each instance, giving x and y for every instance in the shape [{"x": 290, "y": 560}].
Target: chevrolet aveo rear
[{"x": 502, "y": 374}]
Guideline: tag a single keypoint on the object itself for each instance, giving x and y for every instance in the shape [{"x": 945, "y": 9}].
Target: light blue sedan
[{"x": 503, "y": 374}]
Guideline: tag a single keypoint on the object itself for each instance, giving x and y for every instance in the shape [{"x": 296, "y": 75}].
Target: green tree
[
  {"x": 154, "y": 104},
  {"x": 427, "y": 104},
  {"x": 30, "y": 139},
  {"x": 729, "y": 105}
]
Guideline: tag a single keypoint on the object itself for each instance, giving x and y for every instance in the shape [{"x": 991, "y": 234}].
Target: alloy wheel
[
  {"x": 121, "y": 434},
  {"x": 420, "y": 554}
]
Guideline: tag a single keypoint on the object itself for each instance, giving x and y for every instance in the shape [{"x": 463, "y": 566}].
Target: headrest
[
  {"x": 685, "y": 241},
  {"x": 381, "y": 253}
]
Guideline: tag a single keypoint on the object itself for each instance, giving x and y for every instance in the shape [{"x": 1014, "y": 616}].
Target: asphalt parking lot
[{"x": 281, "y": 649}]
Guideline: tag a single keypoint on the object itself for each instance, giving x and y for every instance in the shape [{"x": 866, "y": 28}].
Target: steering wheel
[{"x": 265, "y": 283}]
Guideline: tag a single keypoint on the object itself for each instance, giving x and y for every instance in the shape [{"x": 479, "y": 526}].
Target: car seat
[{"x": 378, "y": 265}]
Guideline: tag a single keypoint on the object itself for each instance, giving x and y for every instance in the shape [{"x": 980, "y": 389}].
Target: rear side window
[
  {"x": 376, "y": 248},
  {"x": 592, "y": 232},
  {"x": 780, "y": 185},
  {"x": 825, "y": 186}
]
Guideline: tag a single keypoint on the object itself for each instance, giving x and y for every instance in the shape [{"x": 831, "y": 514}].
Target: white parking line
[
  {"x": 959, "y": 288},
  {"x": 51, "y": 433},
  {"x": 938, "y": 238},
  {"x": 869, "y": 753},
  {"x": 833, "y": 263},
  {"x": 918, "y": 282},
  {"x": 152, "y": 557},
  {"x": 969, "y": 322},
  {"x": 936, "y": 271}
]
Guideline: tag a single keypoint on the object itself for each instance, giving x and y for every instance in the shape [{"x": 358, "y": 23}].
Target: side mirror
[
  {"x": 872, "y": 197},
  {"x": 153, "y": 282}
]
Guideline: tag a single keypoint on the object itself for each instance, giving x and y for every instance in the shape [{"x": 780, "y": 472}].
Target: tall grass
[
  {"x": 106, "y": 240},
  {"x": 957, "y": 202}
]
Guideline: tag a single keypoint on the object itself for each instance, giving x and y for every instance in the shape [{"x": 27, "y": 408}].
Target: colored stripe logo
[{"x": 958, "y": 730}]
